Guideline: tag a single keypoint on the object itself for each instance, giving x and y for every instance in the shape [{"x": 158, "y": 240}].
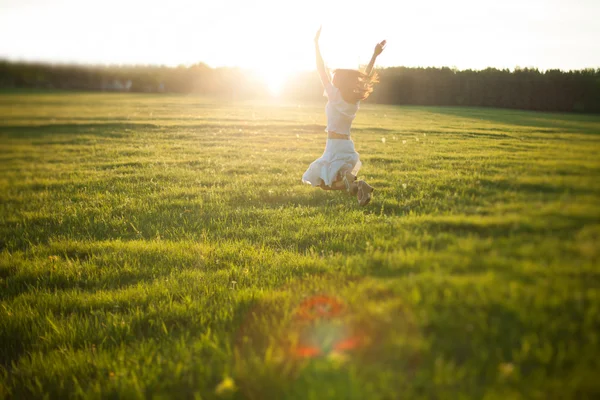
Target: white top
[{"x": 339, "y": 113}]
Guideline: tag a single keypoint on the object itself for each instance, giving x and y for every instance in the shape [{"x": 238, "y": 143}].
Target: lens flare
[
  {"x": 321, "y": 328},
  {"x": 324, "y": 324}
]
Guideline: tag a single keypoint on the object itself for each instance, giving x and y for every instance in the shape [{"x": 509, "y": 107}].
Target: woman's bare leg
[
  {"x": 349, "y": 181},
  {"x": 344, "y": 181},
  {"x": 336, "y": 185}
]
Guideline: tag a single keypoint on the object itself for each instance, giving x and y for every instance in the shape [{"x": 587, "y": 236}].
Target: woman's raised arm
[
  {"x": 378, "y": 49},
  {"x": 323, "y": 73}
]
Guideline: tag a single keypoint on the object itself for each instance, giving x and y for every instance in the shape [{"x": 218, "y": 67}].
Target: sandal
[{"x": 364, "y": 193}]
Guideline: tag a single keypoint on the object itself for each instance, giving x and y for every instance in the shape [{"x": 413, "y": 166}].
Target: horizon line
[{"x": 4, "y": 59}]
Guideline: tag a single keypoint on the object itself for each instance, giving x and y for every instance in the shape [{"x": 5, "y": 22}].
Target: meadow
[{"x": 158, "y": 246}]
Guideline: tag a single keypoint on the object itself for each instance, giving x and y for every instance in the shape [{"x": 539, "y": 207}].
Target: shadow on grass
[
  {"x": 553, "y": 123},
  {"x": 99, "y": 129},
  {"x": 490, "y": 136},
  {"x": 125, "y": 129},
  {"x": 47, "y": 281},
  {"x": 536, "y": 188},
  {"x": 115, "y": 127}
]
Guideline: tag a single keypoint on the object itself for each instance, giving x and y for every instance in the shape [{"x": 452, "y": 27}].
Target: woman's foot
[{"x": 364, "y": 193}]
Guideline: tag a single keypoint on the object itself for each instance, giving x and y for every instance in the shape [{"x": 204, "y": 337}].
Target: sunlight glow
[{"x": 275, "y": 80}]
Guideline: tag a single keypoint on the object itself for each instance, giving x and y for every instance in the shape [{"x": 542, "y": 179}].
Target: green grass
[{"x": 163, "y": 246}]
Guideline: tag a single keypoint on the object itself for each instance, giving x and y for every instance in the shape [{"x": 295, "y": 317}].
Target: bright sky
[{"x": 275, "y": 36}]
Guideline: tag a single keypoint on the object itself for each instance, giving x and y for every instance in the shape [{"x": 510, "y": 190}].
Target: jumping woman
[{"x": 337, "y": 168}]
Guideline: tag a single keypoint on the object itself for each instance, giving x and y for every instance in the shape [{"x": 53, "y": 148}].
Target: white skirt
[{"x": 339, "y": 155}]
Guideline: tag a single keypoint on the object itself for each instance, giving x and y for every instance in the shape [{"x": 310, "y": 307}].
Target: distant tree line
[
  {"x": 233, "y": 83},
  {"x": 527, "y": 89}
]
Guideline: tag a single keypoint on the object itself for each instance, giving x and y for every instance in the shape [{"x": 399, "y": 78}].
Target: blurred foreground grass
[{"x": 158, "y": 246}]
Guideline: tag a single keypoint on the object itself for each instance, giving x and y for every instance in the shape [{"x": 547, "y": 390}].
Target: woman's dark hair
[{"x": 354, "y": 85}]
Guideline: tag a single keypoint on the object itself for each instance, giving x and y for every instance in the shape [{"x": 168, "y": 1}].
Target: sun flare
[{"x": 275, "y": 81}]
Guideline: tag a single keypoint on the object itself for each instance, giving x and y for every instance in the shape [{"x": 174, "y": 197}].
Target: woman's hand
[
  {"x": 378, "y": 48},
  {"x": 318, "y": 35}
]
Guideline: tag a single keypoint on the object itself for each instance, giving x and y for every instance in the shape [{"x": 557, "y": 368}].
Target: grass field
[{"x": 164, "y": 247}]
